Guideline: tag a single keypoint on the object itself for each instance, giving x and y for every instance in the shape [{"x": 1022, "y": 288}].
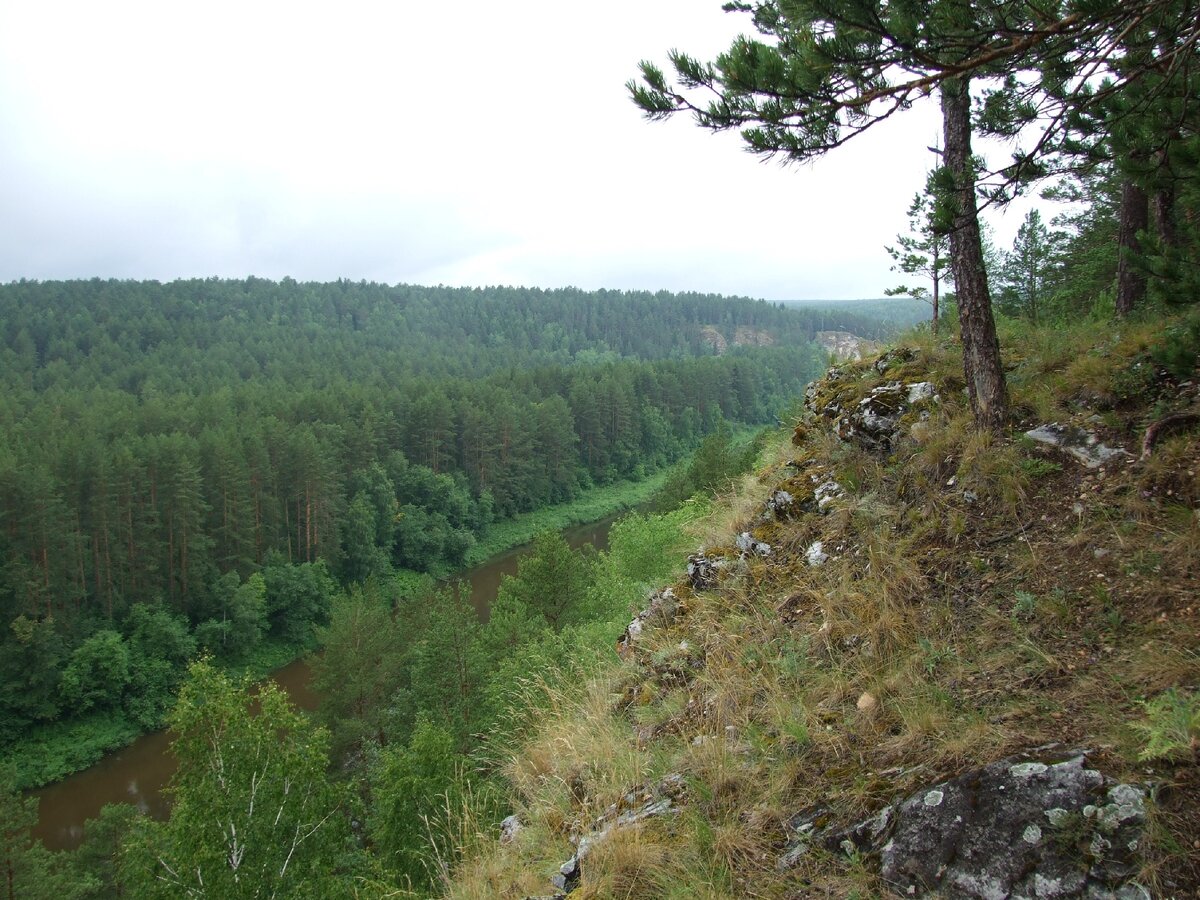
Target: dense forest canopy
[
  {"x": 201, "y": 463},
  {"x": 186, "y": 334}
]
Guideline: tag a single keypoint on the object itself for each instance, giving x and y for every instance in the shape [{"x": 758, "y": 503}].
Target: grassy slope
[{"x": 949, "y": 629}]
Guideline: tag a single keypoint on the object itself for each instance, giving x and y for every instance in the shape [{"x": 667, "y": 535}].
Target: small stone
[
  {"x": 509, "y": 829},
  {"x": 920, "y": 391},
  {"x": 747, "y": 544},
  {"x": 867, "y": 703},
  {"x": 1032, "y": 835},
  {"x": 815, "y": 555},
  {"x": 826, "y": 492},
  {"x": 1078, "y": 443}
]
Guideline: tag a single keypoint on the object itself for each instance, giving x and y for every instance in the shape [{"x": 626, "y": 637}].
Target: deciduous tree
[{"x": 255, "y": 813}]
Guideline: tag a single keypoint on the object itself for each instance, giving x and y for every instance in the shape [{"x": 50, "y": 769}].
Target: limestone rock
[
  {"x": 658, "y": 800},
  {"x": 815, "y": 555},
  {"x": 874, "y": 422},
  {"x": 826, "y": 492},
  {"x": 1014, "y": 829},
  {"x": 510, "y": 827},
  {"x": 662, "y": 610},
  {"x": 1078, "y": 443},
  {"x": 781, "y": 505},
  {"x": 920, "y": 392},
  {"x": 703, "y": 571},
  {"x": 751, "y": 547}
]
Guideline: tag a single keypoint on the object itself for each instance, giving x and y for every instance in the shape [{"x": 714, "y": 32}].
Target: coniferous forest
[{"x": 201, "y": 464}]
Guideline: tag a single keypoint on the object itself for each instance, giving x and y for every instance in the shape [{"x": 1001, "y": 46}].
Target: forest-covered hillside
[{"x": 202, "y": 463}]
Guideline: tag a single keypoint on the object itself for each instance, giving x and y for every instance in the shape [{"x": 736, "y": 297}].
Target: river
[{"x": 138, "y": 773}]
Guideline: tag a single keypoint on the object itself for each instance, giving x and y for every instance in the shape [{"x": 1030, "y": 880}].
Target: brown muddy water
[{"x": 138, "y": 773}]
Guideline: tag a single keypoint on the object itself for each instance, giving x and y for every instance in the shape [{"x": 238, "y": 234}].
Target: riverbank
[
  {"x": 595, "y": 504},
  {"x": 137, "y": 774},
  {"x": 56, "y": 750},
  {"x": 53, "y": 751}
]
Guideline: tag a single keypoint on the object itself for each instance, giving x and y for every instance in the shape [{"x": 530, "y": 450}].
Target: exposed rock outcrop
[
  {"x": 872, "y": 421},
  {"x": 845, "y": 345},
  {"x": 662, "y": 610},
  {"x": 1018, "y": 828},
  {"x": 636, "y": 807},
  {"x": 703, "y": 571}
]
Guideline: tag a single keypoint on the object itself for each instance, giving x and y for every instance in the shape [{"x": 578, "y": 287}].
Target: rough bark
[
  {"x": 1134, "y": 217},
  {"x": 981, "y": 348}
]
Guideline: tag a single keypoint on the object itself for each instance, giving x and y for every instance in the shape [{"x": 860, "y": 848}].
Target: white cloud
[{"x": 473, "y": 143}]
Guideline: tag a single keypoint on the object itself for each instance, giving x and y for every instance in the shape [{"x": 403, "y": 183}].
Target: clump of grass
[
  {"x": 632, "y": 862},
  {"x": 1171, "y": 729}
]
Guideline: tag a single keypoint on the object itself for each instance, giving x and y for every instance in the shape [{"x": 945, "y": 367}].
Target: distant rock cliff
[
  {"x": 842, "y": 345},
  {"x": 743, "y": 336}
]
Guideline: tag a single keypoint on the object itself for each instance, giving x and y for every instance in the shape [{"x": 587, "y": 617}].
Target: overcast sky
[{"x": 471, "y": 143}]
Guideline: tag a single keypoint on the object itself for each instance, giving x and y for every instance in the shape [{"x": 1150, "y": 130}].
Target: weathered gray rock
[
  {"x": 921, "y": 392},
  {"x": 1078, "y": 443},
  {"x": 1014, "y": 829},
  {"x": 663, "y": 610},
  {"x": 874, "y": 422},
  {"x": 812, "y": 393},
  {"x": 703, "y": 571},
  {"x": 510, "y": 827},
  {"x": 658, "y": 800},
  {"x": 751, "y": 547},
  {"x": 815, "y": 555},
  {"x": 781, "y": 505},
  {"x": 826, "y": 492}
]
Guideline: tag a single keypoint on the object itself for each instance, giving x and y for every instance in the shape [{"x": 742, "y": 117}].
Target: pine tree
[
  {"x": 924, "y": 251},
  {"x": 833, "y": 70},
  {"x": 1027, "y": 271}
]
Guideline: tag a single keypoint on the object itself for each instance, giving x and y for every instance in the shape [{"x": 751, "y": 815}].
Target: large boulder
[{"x": 1019, "y": 828}]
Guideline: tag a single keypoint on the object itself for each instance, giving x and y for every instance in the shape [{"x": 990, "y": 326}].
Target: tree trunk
[
  {"x": 981, "y": 348},
  {"x": 1131, "y": 283},
  {"x": 1164, "y": 199}
]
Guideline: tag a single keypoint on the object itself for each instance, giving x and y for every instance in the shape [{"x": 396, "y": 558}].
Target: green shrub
[{"x": 1172, "y": 729}]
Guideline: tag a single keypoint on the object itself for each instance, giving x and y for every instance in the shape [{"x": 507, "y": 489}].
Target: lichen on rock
[{"x": 1012, "y": 829}]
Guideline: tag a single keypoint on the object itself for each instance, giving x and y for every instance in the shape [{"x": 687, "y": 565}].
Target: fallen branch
[{"x": 1164, "y": 426}]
